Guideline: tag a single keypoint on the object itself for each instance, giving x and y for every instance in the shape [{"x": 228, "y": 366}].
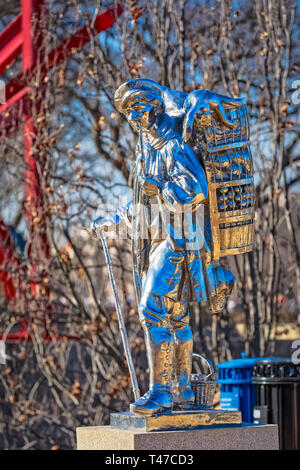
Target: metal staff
[{"x": 135, "y": 385}]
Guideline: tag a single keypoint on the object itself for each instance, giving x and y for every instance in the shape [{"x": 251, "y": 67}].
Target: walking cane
[{"x": 135, "y": 385}]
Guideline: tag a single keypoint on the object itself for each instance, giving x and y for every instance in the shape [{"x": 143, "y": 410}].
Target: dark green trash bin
[{"x": 277, "y": 385}]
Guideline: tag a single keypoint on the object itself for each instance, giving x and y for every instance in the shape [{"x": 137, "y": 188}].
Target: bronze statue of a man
[{"x": 173, "y": 257}]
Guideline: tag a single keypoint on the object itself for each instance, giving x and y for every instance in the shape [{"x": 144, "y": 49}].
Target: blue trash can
[{"x": 237, "y": 389}]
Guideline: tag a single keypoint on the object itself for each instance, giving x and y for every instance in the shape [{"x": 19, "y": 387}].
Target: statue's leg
[
  {"x": 183, "y": 349},
  {"x": 155, "y": 320}
]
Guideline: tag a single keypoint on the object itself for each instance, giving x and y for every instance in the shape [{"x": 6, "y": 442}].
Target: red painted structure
[{"x": 23, "y": 36}]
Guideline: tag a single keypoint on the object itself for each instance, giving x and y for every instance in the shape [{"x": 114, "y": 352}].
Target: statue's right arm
[{"x": 123, "y": 216}]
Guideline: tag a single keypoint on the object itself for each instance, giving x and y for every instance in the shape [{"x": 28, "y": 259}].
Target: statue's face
[{"x": 142, "y": 115}]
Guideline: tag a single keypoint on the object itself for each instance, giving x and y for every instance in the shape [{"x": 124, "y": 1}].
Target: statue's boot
[
  {"x": 184, "y": 397},
  {"x": 160, "y": 350},
  {"x": 158, "y": 400}
]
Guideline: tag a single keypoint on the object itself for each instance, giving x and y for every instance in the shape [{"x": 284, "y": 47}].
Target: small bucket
[{"x": 204, "y": 385}]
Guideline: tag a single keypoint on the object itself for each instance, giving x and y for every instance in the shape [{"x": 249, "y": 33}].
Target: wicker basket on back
[{"x": 228, "y": 163}]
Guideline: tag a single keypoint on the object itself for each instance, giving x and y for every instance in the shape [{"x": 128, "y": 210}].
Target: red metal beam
[
  {"x": 103, "y": 22},
  {"x": 16, "y": 106},
  {"x": 23, "y": 335},
  {"x": 4, "y": 108},
  {"x": 31, "y": 17},
  {"x": 11, "y": 40},
  {"x": 58, "y": 55},
  {"x": 17, "y": 87},
  {"x": 8, "y": 259}
]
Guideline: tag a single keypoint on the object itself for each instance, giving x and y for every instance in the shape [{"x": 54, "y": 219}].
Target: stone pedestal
[{"x": 233, "y": 437}]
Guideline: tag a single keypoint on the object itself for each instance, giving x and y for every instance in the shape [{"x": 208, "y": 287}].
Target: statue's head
[{"x": 141, "y": 103}]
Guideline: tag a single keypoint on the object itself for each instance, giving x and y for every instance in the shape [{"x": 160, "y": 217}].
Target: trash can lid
[
  {"x": 276, "y": 361},
  {"x": 279, "y": 370},
  {"x": 245, "y": 362},
  {"x": 238, "y": 363}
]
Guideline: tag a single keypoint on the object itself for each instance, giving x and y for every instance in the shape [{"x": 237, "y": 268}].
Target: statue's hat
[
  {"x": 128, "y": 91},
  {"x": 127, "y": 98}
]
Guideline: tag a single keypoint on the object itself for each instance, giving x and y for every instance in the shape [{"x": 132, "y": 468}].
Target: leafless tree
[{"x": 73, "y": 371}]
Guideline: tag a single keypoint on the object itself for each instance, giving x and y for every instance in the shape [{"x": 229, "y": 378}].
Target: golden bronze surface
[
  {"x": 177, "y": 420},
  {"x": 229, "y": 170}
]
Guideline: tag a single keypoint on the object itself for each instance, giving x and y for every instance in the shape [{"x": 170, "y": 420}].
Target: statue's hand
[
  {"x": 201, "y": 104},
  {"x": 100, "y": 224},
  {"x": 149, "y": 185}
]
